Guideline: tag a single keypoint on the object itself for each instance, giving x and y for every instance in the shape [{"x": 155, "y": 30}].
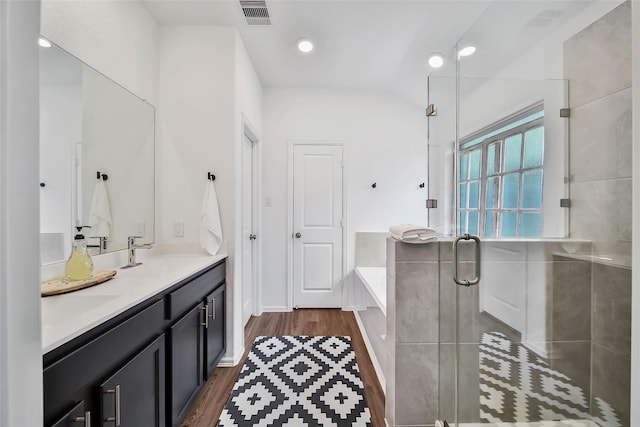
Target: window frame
[{"x": 483, "y": 179}]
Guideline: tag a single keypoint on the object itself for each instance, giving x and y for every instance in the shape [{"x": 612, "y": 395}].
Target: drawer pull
[
  {"x": 212, "y": 301},
  {"x": 86, "y": 419},
  {"x": 116, "y": 399},
  {"x": 206, "y": 316}
]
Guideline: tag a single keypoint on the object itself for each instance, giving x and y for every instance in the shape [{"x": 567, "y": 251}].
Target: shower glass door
[
  {"x": 536, "y": 169},
  {"x": 516, "y": 359},
  {"x": 498, "y": 172}
]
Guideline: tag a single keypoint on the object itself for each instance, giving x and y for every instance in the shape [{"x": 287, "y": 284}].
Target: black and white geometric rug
[
  {"x": 518, "y": 385},
  {"x": 298, "y": 381}
]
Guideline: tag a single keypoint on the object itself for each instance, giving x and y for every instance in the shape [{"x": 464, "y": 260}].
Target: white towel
[
  {"x": 210, "y": 226},
  {"x": 411, "y": 233},
  {"x": 100, "y": 213}
]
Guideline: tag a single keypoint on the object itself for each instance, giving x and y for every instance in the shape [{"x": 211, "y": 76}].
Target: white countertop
[{"x": 66, "y": 316}]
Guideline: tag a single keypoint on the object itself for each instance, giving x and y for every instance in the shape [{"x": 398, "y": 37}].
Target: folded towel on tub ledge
[{"x": 411, "y": 233}]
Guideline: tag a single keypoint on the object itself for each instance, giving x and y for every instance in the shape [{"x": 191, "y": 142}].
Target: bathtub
[
  {"x": 374, "y": 280},
  {"x": 370, "y": 276}
]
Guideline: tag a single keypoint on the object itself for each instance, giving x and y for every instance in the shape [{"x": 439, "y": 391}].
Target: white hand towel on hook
[
  {"x": 210, "y": 226},
  {"x": 100, "y": 213}
]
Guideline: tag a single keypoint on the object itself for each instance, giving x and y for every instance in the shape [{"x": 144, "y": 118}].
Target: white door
[
  {"x": 248, "y": 236},
  {"x": 317, "y": 225}
]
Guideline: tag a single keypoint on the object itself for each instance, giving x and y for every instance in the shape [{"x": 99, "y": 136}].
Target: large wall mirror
[{"x": 96, "y": 159}]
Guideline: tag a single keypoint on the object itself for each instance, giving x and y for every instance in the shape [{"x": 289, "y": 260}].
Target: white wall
[
  {"x": 384, "y": 142},
  {"x": 20, "y": 339},
  {"x": 196, "y": 120},
  {"x": 117, "y": 38},
  {"x": 207, "y": 84}
]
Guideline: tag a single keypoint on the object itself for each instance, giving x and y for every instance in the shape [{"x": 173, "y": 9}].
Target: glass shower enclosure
[{"x": 537, "y": 170}]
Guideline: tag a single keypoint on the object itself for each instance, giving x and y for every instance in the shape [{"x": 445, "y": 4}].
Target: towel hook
[
  {"x": 374, "y": 185},
  {"x": 210, "y": 176},
  {"x": 104, "y": 176}
]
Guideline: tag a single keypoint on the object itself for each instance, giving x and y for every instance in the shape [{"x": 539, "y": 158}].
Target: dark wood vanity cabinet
[
  {"x": 197, "y": 343},
  {"x": 187, "y": 344},
  {"x": 134, "y": 395},
  {"x": 145, "y": 366},
  {"x": 214, "y": 331},
  {"x": 75, "y": 417}
]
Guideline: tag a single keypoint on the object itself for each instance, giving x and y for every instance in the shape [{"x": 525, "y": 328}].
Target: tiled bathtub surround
[
  {"x": 371, "y": 249},
  {"x": 600, "y": 130},
  {"x": 412, "y": 333}
]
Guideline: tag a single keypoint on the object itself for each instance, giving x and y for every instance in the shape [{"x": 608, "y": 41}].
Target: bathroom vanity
[{"x": 136, "y": 350}]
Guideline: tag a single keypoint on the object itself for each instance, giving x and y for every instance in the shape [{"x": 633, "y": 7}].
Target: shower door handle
[{"x": 456, "y": 278}]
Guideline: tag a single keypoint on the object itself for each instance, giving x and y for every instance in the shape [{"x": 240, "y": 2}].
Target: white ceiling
[{"x": 373, "y": 44}]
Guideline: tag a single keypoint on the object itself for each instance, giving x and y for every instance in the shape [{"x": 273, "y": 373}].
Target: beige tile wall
[{"x": 597, "y": 63}]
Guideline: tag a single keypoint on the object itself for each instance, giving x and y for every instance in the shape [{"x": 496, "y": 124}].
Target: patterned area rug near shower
[
  {"x": 518, "y": 385},
  {"x": 298, "y": 381}
]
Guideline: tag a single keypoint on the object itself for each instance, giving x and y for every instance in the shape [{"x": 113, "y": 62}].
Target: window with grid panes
[{"x": 500, "y": 177}]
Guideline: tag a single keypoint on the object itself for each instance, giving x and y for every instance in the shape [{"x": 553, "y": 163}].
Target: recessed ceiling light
[
  {"x": 305, "y": 45},
  {"x": 42, "y": 42},
  {"x": 466, "y": 51},
  {"x": 436, "y": 60}
]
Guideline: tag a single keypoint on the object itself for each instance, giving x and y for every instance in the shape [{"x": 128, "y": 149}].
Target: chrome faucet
[
  {"x": 131, "y": 248},
  {"x": 102, "y": 246}
]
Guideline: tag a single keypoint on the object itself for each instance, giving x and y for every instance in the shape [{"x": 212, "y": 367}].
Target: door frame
[
  {"x": 256, "y": 296},
  {"x": 292, "y": 144}
]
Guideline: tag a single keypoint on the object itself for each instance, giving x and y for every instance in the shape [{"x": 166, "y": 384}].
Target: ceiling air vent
[
  {"x": 255, "y": 12},
  {"x": 544, "y": 18}
]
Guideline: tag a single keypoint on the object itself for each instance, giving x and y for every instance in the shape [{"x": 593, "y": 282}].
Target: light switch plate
[
  {"x": 140, "y": 228},
  {"x": 178, "y": 229}
]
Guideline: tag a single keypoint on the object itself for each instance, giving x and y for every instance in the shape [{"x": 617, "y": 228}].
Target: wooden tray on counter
[{"x": 64, "y": 285}]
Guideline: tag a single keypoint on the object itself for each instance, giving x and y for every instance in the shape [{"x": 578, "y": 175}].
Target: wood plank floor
[{"x": 214, "y": 395}]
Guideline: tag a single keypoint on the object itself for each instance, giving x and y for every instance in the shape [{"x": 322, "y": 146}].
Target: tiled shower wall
[
  {"x": 592, "y": 330},
  {"x": 583, "y": 306},
  {"x": 597, "y": 63}
]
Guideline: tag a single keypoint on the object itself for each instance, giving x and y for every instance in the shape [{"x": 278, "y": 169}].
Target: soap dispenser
[{"x": 79, "y": 265}]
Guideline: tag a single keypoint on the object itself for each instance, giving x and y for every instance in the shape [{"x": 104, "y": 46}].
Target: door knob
[
  {"x": 252, "y": 237},
  {"x": 298, "y": 235}
]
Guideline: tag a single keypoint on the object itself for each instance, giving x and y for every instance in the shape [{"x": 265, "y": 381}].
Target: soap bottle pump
[{"x": 79, "y": 265}]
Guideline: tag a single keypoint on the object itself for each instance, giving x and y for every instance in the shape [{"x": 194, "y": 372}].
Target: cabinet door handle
[
  {"x": 212, "y": 301},
  {"x": 206, "y": 316},
  {"x": 116, "y": 399},
  {"x": 86, "y": 419}
]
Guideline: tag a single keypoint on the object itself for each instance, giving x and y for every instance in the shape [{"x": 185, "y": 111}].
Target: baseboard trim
[
  {"x": 229, "y": 361},
  {"x": 276, "y": 309},
  {"x": 372, "y": 354},
  {"x": 354, "y": 308}
]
